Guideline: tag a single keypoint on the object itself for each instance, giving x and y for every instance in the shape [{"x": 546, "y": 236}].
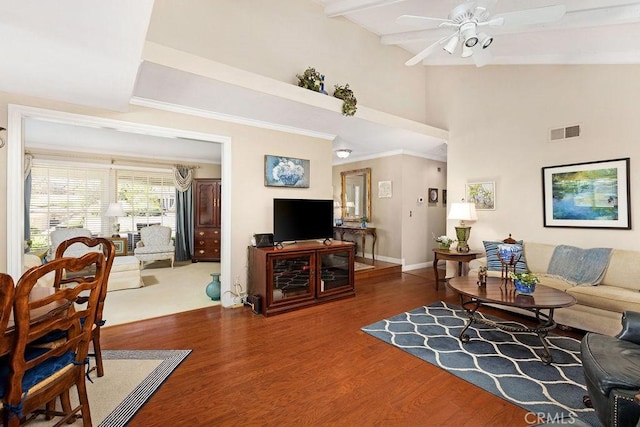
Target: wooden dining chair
[
  {"x": 37, "y": 375},
  {"x": 109, "y": 250},
  {"x": 6, "y": 305}
]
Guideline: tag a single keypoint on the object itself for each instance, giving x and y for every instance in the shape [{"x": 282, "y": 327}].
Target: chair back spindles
[
  {"x": 109, "y": 251},
  {"x": 35, "y": 316}
]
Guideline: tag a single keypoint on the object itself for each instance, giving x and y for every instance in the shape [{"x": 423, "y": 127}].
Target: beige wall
[
  {"x": 499, "y": 119},
  {"x": 251, "y": 202},
  {"x": 282, "y": 40},
  {"x": 404, "y": 226},
  {"x": 420, "y": 221}
]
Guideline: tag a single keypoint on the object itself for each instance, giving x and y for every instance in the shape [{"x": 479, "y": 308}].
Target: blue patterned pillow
[{"x": 493, "y": 262}]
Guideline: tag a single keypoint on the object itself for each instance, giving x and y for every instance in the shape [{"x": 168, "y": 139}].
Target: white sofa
[{"x": 599, "y": 307}]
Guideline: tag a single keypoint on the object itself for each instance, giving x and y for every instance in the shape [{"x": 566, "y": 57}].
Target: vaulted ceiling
[
  {"x": 89, "y": 52},
  {"x": 589, "y": 32}
]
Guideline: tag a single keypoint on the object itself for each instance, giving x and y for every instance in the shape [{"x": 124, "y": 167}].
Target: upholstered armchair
[
  {"x": 155, "y": 244},
  {"x": 612, "y": 372},
  {"x": 76, "y": 250}
]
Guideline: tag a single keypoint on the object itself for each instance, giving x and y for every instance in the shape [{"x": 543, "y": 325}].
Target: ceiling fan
[{"x": 467, "y": 21}]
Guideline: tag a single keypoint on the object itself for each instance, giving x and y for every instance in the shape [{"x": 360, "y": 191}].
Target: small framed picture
[
  {"x": 444, "y": 197},
  {"x": 482, "y": 194},
  {"x": 433, "y": 195}
]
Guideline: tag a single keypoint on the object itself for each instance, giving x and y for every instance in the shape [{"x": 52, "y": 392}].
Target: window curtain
[
  {"x": 183, "y": 176},
  {"x": 28, "y": 160}
]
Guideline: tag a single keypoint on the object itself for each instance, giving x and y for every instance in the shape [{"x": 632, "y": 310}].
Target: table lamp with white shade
[
  {"x": 115, "y": 210},
  {"x": 464, "y": 212}
]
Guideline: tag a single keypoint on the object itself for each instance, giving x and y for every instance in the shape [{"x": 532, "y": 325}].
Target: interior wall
[
  {"x": 251, "y": 201},
  {"x": 383, "y": 210},
  {"x": 499, "y": 119},
  {"x": 421, "y": 220},
  {"x": 403, "y": 225},
  {"x": 281, "y": 39}
]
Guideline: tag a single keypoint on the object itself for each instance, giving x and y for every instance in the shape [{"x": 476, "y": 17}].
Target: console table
[{"x": 359, "y": 231}]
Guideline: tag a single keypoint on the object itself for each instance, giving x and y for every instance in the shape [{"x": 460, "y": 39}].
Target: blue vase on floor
[{"x": 213, "y": 288}]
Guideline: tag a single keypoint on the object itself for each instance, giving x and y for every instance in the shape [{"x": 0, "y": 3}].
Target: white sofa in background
[{"x": 600, "y": 307}]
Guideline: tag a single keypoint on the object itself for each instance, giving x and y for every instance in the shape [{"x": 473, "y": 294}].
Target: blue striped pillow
[{"x": 493, "y": 262}]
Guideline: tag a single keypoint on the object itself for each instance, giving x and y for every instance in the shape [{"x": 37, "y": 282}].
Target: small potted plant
[
  {"x": 525, "y": 282},
  {"x": 363, "y": 221},
  {"x": 311, "y": 79},
  {"x": 349, "y": 100},
  {"x": 445, "y": 242}
]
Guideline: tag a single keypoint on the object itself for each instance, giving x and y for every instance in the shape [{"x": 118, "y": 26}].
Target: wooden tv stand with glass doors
[{"x": 300, "y": 275}]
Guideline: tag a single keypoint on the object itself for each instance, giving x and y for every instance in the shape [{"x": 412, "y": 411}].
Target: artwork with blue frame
[
  {"x": 286, "y": 172},
  {"x": 593, "y": 195}
]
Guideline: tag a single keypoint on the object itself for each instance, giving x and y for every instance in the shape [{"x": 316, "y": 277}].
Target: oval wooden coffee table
[{"x": 498, "y": 291}]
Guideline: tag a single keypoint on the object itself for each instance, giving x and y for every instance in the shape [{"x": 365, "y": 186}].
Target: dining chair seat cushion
[
  {"x": 38, "y": 373},
  {"x": 142, "y": 250},
  {"x": 50, "y": 339}
]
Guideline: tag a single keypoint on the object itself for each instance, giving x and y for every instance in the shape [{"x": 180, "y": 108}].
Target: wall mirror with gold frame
[{"x": 356, "y": 194}]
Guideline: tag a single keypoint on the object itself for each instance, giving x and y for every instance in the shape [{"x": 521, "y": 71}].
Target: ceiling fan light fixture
[
  {"x": 343, "y": 153},
  {"x": 451, "y": 45},
  {"x": 466, "y": 51},
  {"x": 468, "y": 32},
  {"x": 485, "y": 40}
]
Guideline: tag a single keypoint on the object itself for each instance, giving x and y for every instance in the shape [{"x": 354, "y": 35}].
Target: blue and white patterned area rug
[{"x": 503, "y": 363}]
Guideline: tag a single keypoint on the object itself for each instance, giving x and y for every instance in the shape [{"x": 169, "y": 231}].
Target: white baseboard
[
  {"x": 382, "y": 258},
  {"x": 417, "y": 266}
]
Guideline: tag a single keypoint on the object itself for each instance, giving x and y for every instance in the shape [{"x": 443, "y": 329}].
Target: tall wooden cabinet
[
  {"x": 206, "y": 219},
  {"x": 301, "y": 275}
]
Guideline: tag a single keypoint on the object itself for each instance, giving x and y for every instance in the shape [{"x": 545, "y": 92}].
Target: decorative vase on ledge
[{"x": 213, "y": 288}]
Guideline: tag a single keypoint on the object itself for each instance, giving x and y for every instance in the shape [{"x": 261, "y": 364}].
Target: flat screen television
[{"x": 302, "y": 219}]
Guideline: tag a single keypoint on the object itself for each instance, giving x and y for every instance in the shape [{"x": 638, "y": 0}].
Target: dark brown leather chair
[{"x": 612, "y": 372}]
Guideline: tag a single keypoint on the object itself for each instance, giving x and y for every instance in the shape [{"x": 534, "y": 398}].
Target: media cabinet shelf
[{"x": 301, "y": 275}]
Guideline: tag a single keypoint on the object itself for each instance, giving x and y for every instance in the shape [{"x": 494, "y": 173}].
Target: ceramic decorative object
[
  {"x": 525, "y": 283},
  {"x": 524, "y": 288},
  {"x": 509, "y": 254},
  {"x": 213, "y": 288},
  {"x": 445, "y": 246}
]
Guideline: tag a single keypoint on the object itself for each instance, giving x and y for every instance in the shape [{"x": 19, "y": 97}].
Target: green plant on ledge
[
  {"x": 310, "y": 79},
  {"x": 349, "y": 101}
]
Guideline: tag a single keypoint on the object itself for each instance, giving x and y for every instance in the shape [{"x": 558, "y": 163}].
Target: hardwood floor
[{"x": 309, "y": 367}]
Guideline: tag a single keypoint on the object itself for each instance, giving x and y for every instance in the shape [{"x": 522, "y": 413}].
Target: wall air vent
[{"x": 564, "y": 133}]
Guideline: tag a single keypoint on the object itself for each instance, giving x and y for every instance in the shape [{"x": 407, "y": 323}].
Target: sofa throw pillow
[{"x": 493, "y": 262}]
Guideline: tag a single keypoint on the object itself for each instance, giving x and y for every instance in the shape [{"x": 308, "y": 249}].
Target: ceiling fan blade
[
  {"x": 420, "y": 21},
  {"x": 428, "y": 51},
  {"x": 539, "y": 15},
  {"x": 483, "y": 9}
]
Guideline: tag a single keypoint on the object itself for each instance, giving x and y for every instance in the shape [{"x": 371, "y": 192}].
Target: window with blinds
[
  {"x": 64, "y": 196},
  {"x": 148, "y": 198}
]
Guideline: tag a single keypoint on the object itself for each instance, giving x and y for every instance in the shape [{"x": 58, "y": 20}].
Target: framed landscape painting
[
  {"x": 286, "y": 172},
  {"x": 589, "y": 195},
  {"x": 482, "y": 194}
]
